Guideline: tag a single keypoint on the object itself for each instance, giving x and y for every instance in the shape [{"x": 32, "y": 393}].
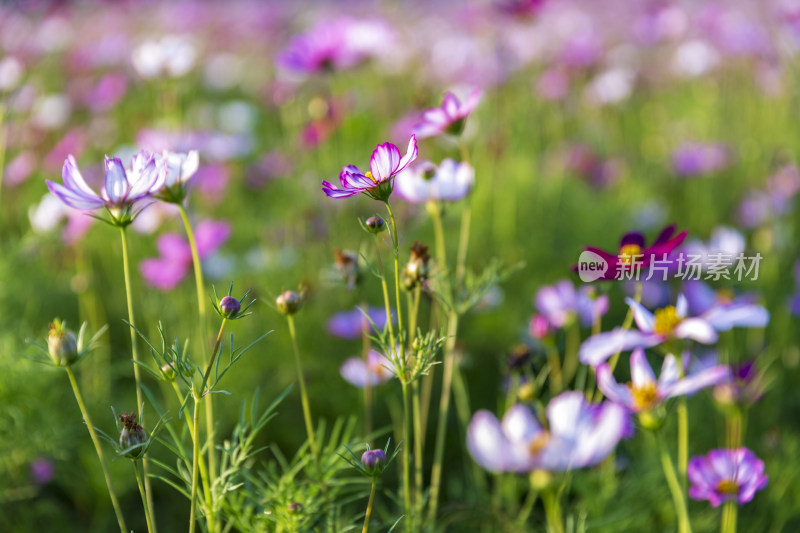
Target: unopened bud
[
  {"x": 289, "y": 302},
  {"x": 373, "y": 460},
  {"x": 132, "y": 434},
  {"x": 229, "y": 306},
  {"x": 62, "y": 344},
  {"x": 375, "y": 224}
]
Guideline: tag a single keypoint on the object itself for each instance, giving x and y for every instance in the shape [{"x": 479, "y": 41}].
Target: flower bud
[
  {"x": 416, "y": 270},
  {"x": 539, "y": 327},
  {"x": 289, "y": 302},
  {"x": 375, "y": 224},
  {"x": 62, "y": 344},
  {"x": 294, "y": 507},
  {"x": 132, "y": 434},
  {"x": 168, "y": 369},
  {"x": 373, "y": 460},
  {"x": 229, "y": 306},
  {"x": 347, "y": 266}
]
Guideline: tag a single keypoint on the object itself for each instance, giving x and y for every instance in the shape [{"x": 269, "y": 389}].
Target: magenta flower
[
  {"x": 123, "y": 188},
  {"x": 561, "y": 303},
  {"x": 633, "y": 253},
  {"x": 726, "y": 475},
  {"x": 324, "y": 47},
  {"x": 378, "y": 181},
  {"x": 449, "y": 118},
  {"x": 450, "y": 181},
  {"x": 376, "y": 370},
  {"x": 175, "y": 261},
  {"x": 644, "y": 393},
  {"x": 580, "y": 434}
]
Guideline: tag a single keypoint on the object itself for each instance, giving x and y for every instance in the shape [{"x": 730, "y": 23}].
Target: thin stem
[
  {"x": 135, "y": 353},
  {"x": 403, "y": 377},
  {"x": 683, "y": 440},
  {"x": 365, "y": 348},
  {"x": 369, "y": 505},
  {"x": 147, "y": 515},
  {"x": 412, "y": 325},
  {"x": 527, "y": 508},
  {"x": 386, "y": 302},
  {"x": 203, "y": 331},
  {"x": 190, "y": 425},
  {"x": 100, "y": 455},
  {"x": 729, "y": 514},
  {"x": 552, "y": 510},
  {"x": 674, "y": 486},
  {"x": 303, "y": 394},
  {"x": 195, "y": 461}
]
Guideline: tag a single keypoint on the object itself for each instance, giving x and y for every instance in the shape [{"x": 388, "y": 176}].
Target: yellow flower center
[
  {"x": 539, "y": 443},
  {"x": 628, "y": 253},
  {"x": 727, "y": 486},
  {"x": 645, "y": 396},
  {"x": 369, "y": 175},
  {"x": 725, "y": 296},
  {"x": 666, "y": 320}
]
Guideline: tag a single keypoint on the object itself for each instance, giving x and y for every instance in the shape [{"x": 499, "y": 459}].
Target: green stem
[
  {"x": 303, "y": 394},
  {"x": 147, "y": 515},
  {"x": 190, "y": 426},
  {"x": 413, "y": 315},
  {"x": 365, "y": 348},
  {"x": 203, "y": 331},
  {"x": 527, "y": 508},
  {"x": 683, "y": 440},
  {"x": 369, "y": 505},
  {"x": 386, "y": 301},
  {"x": 729, "y": 513},
  {"x": 100, "y": 455},
  {"x": 674, "y": 486},
  {"x": 552, "y": 510},
  {"x": 135, "y": 353},
  {"x": 195, "y": 461},
  {"x": 403, "y": 378}
]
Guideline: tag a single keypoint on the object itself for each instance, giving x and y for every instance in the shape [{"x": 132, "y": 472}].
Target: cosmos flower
[
  {"x": 376, "y": 370},
  {"x": 670, "y": 322},
  {"x": 175, "y": 261},
  {"x": 326, "y": 46},
  {"x": 644, "y": 392},
  {"x": 351, "y": 324},
  {"x": 378, "y": 181},
  {"x": 726, "y": 475},
  {"x": 561, "y": 303},
  {"x": 178, "y": 169},
  {"x": 747, "y": 385},
  {"x": 450, "y": 181},
  {"x": 580, "y": 434},
  {"x": 449, "y": 117},
  {"x": 634, "y": 254},
  {"x": 123, "y": 188},
  {"x": 698, "y": 159}
]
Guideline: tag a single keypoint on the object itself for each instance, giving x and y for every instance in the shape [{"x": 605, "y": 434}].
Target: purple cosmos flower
[
  {"x": 580, "y": 434},
  {"x": 376, "y": 370},
  {"x": 667, "y": 322},
  {"x": 746, "y": 385},
  {"x": 123, "y": 188},
  {"x": 633, "y": 253},
  {"x": 706, "y": 302},
  {"x": 42, "y": 470},
  {"x": 726, "y": 475},
  {"x": 178, "y": 169},
  {"x": 324, "y": 47},
  {"x": 671, "y": 322},
  {"x": 378, "y": 181},
  {"x": 560, "y": 303},
  {"x": 351, "y": 324},
  {"x": 698, "y": 159},
  {"x": 449, "y": 118},
  {"x": 450, "y": 181},
  {"x": 644, "y": 393},
  {"x": 175, "y": 261}
]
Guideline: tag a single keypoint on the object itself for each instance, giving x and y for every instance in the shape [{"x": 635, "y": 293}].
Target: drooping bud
[
  {"x": 62, "y": 344},
  {"x": 289, "y": 302},
  {"x": 375, "y": 224},
  {"x": 229, "y": 306},
  {"x": 132, "y": 434},
  {"x": 416, "y": 270},
  {"x": 373, "y": 460},
  {"x": 347, "y": 266}
]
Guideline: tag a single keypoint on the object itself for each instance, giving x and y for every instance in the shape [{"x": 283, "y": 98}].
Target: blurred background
[{"x": 597, "y": 118}]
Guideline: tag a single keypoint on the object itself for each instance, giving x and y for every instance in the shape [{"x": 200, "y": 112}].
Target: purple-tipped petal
[
  {"x": 641, "y": 371},
  {"x": 698, "y": 381},
  {"x": 116, "y": 187},
  {"x": 645, "y": 320},
  {"x": 410, "y": 157},
  {"x": 697, "y": 329},
  {"x": 73, "y": 179},
  {"x": 670, "y": 373},
  {"x": 334, "y": 192},
  {"x": 600, "y": 347},
  {"x": 520, "y": 425},
  {"x": 723, "y": 318},
  {"x": 384, "y": 161},
  {"x": 486, "y": 442},
  {"x": 74, "y": 199},
  {"x": 611, "y": 389},
  {"x": 611, "y": 424}
]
